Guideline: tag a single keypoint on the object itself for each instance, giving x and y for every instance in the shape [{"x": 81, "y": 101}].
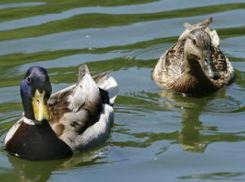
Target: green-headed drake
[
  {"x": 54, "y": 126},
  {"x": 194, "y": 65}
]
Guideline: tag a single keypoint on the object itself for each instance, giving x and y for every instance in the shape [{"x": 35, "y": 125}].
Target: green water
[{"x": 157, "y": 135}]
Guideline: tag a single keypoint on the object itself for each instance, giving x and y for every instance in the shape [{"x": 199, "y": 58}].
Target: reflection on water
[
  {"x": 154, "y": 134},
  {"x": 189, "y": 136},
  {"x": 32, "y": 171},
  {"x": 40, "y": 171}
]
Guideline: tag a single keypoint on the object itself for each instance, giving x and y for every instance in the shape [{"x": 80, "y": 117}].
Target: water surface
[{"x": 157, "y": 135}]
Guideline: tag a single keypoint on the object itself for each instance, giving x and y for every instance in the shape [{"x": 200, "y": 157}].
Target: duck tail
[
  {"x": 112, "y": 89},
  {"x": 108, "y": 84}
]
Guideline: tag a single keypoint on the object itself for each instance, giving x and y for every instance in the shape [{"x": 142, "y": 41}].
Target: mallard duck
[
  {"x": 55, "y": 126},
  {"x": 194, "y": 65}
]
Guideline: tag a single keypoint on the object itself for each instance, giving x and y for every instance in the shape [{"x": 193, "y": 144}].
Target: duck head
[
  {"x": 35, "y": 91},
  {"x": 198, "y": 49},
  {"x": 32, "y": 137}
]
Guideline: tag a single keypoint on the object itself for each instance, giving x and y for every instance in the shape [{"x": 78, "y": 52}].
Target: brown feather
[{"x": 172, "y": 71}]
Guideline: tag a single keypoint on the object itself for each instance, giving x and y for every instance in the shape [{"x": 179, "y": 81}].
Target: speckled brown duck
[{"x": 194, "y": 65}]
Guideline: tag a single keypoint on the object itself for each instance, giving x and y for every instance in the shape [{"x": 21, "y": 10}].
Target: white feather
[
  {"x": 111, "y": 86},
  {"x": 90, "y": 88},
  {"x": 215, "y": 38}
]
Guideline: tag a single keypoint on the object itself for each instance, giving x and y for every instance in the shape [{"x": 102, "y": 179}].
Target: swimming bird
[
  {"x": 194, "y": 65},
  {"x": 73, "y": 119}
]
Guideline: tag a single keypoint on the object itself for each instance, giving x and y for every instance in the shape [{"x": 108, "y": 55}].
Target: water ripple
[
  {"x": 154, "y": 7},
  {"x": 19, "y": 5},
  {"x": 223, "y": 105}
]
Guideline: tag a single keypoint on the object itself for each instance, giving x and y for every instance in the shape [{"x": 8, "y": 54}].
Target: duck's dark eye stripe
[{"x": 28, "y": 79}]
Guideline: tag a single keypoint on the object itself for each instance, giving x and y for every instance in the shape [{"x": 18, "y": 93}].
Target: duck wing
[
  {"x": 170, "y": 66},
  {"x": 77, "y": 107},
  {"x": 224, "y": 67}
]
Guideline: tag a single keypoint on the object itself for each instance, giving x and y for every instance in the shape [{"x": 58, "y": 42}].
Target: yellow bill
[{"x": 40, "y": 107}]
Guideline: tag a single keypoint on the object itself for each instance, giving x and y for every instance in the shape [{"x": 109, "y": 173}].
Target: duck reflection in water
[
  {"x": 189, "y": 137},
  {"x": 40, "y": 171}
]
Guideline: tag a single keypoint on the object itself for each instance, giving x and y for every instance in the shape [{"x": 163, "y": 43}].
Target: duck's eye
[
  {"x": 28, "y": 79},
  {"x": 194, "y": 41}
]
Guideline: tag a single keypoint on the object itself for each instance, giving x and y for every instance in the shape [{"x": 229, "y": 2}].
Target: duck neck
[
  {"x": 194, "y": 81},
  {"x": 28, "y": 109},
  {"x": 193, "y": 68}
]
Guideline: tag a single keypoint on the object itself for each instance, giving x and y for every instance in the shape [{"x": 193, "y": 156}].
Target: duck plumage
[
  {"x": 80, "y": 115},
  {"x": 194, "y": 65}
]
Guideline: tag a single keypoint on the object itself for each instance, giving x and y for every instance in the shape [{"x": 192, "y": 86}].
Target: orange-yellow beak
[{"x": 40, "y": 107}]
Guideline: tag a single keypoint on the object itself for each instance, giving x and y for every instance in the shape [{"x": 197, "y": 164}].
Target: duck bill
[
  {"x": 40, "y": 107},
  {"x": 209, "y": 67}
]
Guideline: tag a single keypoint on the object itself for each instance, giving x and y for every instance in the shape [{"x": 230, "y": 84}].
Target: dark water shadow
[
  {"x": 41, "y": 171},
  {"x": 189, "y": 137}
]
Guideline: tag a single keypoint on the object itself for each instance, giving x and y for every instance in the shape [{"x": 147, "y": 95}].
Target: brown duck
[{"x": 194, "y": 65}]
